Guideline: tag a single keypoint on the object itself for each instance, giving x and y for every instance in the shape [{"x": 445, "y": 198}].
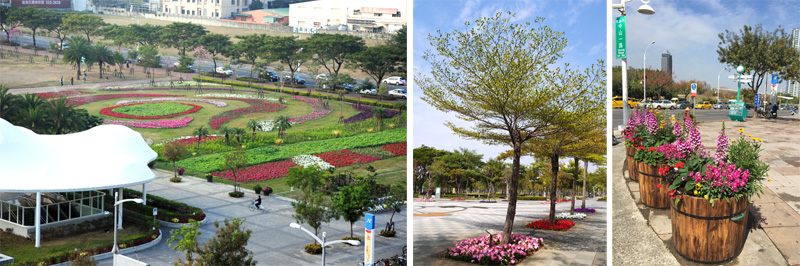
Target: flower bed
[
  {"x": 48, "y": 95},
  {"x": 458, "y": 199},
  {"x": 78, "y": 101},
  {"x": 488, "y": 201},
  {"x": 266, "y": 125},
  {"x": 165, "y": 86},
  {"x": 342, "y": 158},
  {"x": 374, "y": 151},
  {"x": 544, "y": 224},
  {"x": 150, "y": 110},
  {"x": 478, "y": 250},
  {"x": 398, "y": 149},
  {"x": 566, "y": 215},
  {"x": 256, "y": 106},
  {"x": 311, "y": 160},
  {"x": 169, "y": 123},
  {"x": 314, "y": 115},
  {"x": 366, "y": 113},
  {"x": 425, "y": 200},
  {"x": 167, "y": 99},
  {"x": 259, "y": 172},
  {"x": 557, "y": 201},
  {"x": 237, "y": 96},
  {"x": 584, "y": 210},
  {"x": 191, "y": 140}
]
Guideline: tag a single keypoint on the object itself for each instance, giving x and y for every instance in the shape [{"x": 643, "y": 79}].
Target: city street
[{"x": 703, "y": 115}]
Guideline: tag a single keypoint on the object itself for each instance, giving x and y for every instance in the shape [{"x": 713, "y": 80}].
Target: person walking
[
  {"x": 71, "y": 81},
  {"x": 62, "y": 80}
]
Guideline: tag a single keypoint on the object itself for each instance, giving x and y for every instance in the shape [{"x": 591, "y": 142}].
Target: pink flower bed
[
  {"x": 170, "y": 123},
  {"x": 77, "y": 101},
  {"x": 307, "y": 100},
  {"x": 256, "y": 106},
  {"x": 344, "y": 158},
  {"x": 316, "y": 114},
  {"x": 193, "y": 140},
  {"x": 109, "y": 111},
  {"x": 259, "y": 172},
  {"x": 397, "y": 149},
  {"x": 477, "y": 250},
  {"x": 216, "y": 103},
  {"x": 48, "y": 95},
  {"x": 425, "y": 200}
]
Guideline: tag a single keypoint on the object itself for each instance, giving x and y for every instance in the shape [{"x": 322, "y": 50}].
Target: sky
[
  {"x": 583, "y": 23},
  {"x": 689, "y": 30}
]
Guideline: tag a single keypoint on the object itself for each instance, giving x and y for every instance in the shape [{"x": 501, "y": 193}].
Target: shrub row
[
  {"x": 167, "y": 209},
  {"x": 65, "y": 256}
]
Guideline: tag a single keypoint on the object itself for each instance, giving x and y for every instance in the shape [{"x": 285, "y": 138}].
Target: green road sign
[{"x": 619, "y": 24}]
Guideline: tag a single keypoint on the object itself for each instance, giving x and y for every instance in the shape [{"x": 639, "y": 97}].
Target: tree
[
  {"x": 251, "y": 47},
  {"x": 172, "y": 152},
  {"x": 239, "y": 132},
  {"x": 311, "y": 208},
  {"x": 423, "y": 159},
  {"x": 215, "y": 44},
  {"x": 255, "y": 5},
  {"x": 150, "y": 57},
  {"x": 287, "y": 51},
  {"x": 377, "y": 61},
  {"x": 83, "y": 24},
  {"x": 102, "y": 55},
  {"x": 228, "y": 246},
  {"x": 379, "y": 113},
  {"x": 8, "y": 102},
  {"x": 400, "y": 42},
  {"x": 282, "y": 123},
  {"x": 8, "y": 20},
  {"x": 56, "y": 26},
  {"x": 331, "y": 51},
  {"x": 62, "y": 116},
  {"x": 761, "y": 52},
  {"x": 227, "y": 133},
  {"x": 185, "y": 239},
  {"x": 493, "y": 172},
  {"x": 32, "y": 18},
  {"x": 499, "y": 76},
  {"x": 201, "y": 132},
  {"x": 182, "y": 36},
  {"x": 352, "y": 202},
  {"x": 396, "y": 199},
  {"x": 254, "y": 125},
  {"x": 79, "y": 51},
  {"x": 234, "y": 162}
]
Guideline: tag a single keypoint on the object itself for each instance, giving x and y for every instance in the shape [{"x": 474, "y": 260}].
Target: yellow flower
[
  {"x": 175, "y": 220},
  {"x": 750, "y": 136},
  {"x": 733, "y": 140},
  {"x": 770, "y": 180},
  {"x": 706, "y": 196},
  {"x": 698, "y": 186},
  {"x": 695, "y": 192}
]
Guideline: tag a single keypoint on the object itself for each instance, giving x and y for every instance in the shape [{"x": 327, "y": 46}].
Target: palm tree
[
  {"x": 200, "y": 132},
  {"x": 32, "y": 118},
  {"x": 239, "y": 132},
  {"x": 254, "y": 125},
  {"x": 102, "y": 55},
  {"x": 7, "y": 103},
  {"x": 379, "y": 113},
  {"x": 382, "y": 90},
  {"x": 227, "y": 132},
  {"x": 119, "y": 59},
  {"x": 30, "y": 101},
  {"x": 62, "y": 116},
  {"x": 78, "y": 48},
  {"x": 282, "y": 124}
]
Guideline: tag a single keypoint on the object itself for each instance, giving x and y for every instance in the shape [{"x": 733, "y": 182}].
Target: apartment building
[{"x": 354, "y": 15}]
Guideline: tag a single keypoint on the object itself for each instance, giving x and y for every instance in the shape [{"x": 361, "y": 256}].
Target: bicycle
[{"x": 252, "y": 206}]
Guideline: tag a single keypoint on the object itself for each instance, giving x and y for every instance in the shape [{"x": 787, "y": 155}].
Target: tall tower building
[
  {"x": 794, "y": 86},
  {"x": 666, "y": 63}
]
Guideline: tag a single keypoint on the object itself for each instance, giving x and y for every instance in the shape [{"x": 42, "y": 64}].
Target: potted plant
[
  {"x": 209, "y": 177},
  {"x": 257, "y": 189},
  {"x": 711, "y": 196},
  {"x": 181, "y": 170},
  {"x": 657, "y": 135},
  {"x": 267, "y": 191}
]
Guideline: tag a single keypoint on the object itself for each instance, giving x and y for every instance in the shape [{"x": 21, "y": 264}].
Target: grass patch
[{"x": 22, "y": 249}]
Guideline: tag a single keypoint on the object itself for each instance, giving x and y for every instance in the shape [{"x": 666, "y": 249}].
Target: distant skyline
[
  {"x": 583, "y": 24},
  {"x": 689, "y": 30}
]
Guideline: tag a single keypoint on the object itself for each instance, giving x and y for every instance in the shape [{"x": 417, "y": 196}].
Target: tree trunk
[
  {"x": 351, "y": 229},
  {"x": 574, "y": 185},
  {"x": 585, "y": 169},
  {"x": 512, "y": 187},
  {"x": 553, "y": 186},
  {"x": 174, "y": 170}
]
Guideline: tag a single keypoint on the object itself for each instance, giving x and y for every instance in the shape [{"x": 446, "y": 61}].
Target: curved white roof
[{"x": 106, "y": 156}]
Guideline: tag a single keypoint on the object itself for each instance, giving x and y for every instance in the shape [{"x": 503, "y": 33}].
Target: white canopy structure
[{"x": 104, "y": 157}]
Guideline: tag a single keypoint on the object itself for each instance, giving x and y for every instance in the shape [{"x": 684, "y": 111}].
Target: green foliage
[
  {"x": 173, "y": 152},
  {"x": 79, "y": 48},
  {"x": 334, "y": 50},
  {"x": 182, "y": 36},
  {"x": 311, "y": 208},
  {"x": 602, "y": 199},
  {"x": 650, "y": 156},
  {"x": 150, "y": 57},
  {"x": 84, "y": 24},
  {"x": 352, "y": 202},
  {"x": 257, "y": 189},
  {"x": 215, "y": 44},
  {"x": 228, "y": 246},
  {"x": 234, "y": 161},
  {"x": 84, "y": 260},
  {"x": 153, "y": 109},
  {"x": 184, "y": 62},
  {"x": 286, "y": 50},
  {"x": 313, "y": 249},
  {"x": 186, "y": 240},
  {"x": 388, "y": 233},
  {"x": 378, "y": 61},
  {"x": 255, "y": 5}
]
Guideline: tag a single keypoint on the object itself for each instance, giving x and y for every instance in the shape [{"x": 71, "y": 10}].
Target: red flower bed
[
  {"x": 559, "y": 225},
  {"x": 344, "y": 158},
  {"x": 109, "y": 111},
  {"x": 77, "y": 101},
  {"x": 397, "y": 149},
  {"x": 259, "y": 172},
  {"x": 48, "y": 95},
  {"x": 256, "y": 106}
]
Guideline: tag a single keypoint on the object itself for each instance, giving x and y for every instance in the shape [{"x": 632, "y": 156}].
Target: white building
[
  {"x": 207, "y": 8},
  {"x": 794, "y": 86},
  {"x": 355, "y": 15}
]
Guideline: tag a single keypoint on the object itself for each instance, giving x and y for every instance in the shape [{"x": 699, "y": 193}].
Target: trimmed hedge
[
  {"x": 134, "y": 240},
  {"x": 295, "y": 92},
  {"x": 251, "y": 79},
  {"x": 167, "y": 209}
]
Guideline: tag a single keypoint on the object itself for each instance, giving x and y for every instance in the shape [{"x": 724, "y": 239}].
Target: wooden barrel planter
[
  {"x": 632, "y": 172},
  {"x": 706, "y": 234},
  {"x": 652, "y": 196}
]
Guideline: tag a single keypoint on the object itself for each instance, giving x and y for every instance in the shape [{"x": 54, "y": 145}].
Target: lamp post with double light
[
  {"x": 115, "y": 250},
  {"x": 322, "y": 241},
  {"x": 645, "y": 70},
  {"x": 621, "y": 52}
]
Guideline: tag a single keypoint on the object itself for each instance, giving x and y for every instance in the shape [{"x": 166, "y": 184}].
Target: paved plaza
[
  {"x": 774, "y": 222},
  {"x": 272, "y": 242},
  {"x": 440, "y": 225}
]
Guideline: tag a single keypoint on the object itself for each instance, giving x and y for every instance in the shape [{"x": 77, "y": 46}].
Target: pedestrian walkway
[
  {"x": 440, "y": 225},
  {"x": 272, "y": 242},
  {"x": 774, "y": 234}
]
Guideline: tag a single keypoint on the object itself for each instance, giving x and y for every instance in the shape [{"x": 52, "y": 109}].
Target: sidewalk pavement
[
  {"x": 774, "y": 234},
  {"x": 440, "y": 225}
]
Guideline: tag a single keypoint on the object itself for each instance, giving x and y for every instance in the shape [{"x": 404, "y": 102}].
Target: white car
[
  {"x": 178, "y": 65},
  {"x": 222, "y": 70},
  {"x": 662, "y": 104},
  {"x": 399, "y": 81},
  {"x": 368, "y": 91},
  {"x": 321, "y": 77},
  {"x": 399, "y": 93}
]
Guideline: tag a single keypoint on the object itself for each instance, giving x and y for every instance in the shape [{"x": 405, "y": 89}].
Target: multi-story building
[
  {"x": 666, "y": 63},
  {"x": 355, "y": 15},
  {"x": 206, "y": 8},
  {"x": 794, "y": 87}
]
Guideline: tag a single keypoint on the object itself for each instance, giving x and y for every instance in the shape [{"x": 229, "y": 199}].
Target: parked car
[
  {"x": 269, "y": 75},
  {"x": 399, "y": 81},
  {"x": 703, "y": 105},
  {"x": 297, "y": 80},
  {"x": 684, "y": 105},
  {"x": 720, "y": 105},
  {"x": 178, "y": 65},
  {"x": 400, "y": 93},
  {"x": 662, "y": 104},
  {"x": 321, "y": 77},
  {"x": 368, "y": 91},
  {"x": 644, "y": 104},
  {"x": 348, "y": 87},
  {"x": 222, "y": 70}
]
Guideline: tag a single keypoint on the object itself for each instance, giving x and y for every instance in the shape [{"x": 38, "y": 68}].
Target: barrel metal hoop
[
  {"x": 709, "y": 218},
  {"x": 707, "y": 262}
]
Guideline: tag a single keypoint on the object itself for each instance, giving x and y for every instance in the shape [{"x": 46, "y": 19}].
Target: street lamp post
[
  {"x": 646, "y": 10},
  {"x": 115, "y": 250},
  {"x": 644, "y": 68},
  {"x": 322, "y": 241},
  {"x": 720, "y": 72}
]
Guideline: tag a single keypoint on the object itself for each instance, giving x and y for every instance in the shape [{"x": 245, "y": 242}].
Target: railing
[{"x": 75, "y": 205}]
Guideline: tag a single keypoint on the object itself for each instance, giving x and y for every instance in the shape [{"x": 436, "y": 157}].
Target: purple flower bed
[
  {"x": 176, "y": 88},
  {"x": 316, "y": 113},
  {"x": 366, "y": 113},
  {"x": 584, "y": 210},
  {"x": 488, "y": 201},
  {"x": 477, "y": 250},
  {"x": 170, "y": 123},
  {"x": 217, "y": 103}
]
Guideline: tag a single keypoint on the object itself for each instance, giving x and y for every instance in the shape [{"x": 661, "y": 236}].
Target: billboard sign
[{"x": 42, "y": 3}]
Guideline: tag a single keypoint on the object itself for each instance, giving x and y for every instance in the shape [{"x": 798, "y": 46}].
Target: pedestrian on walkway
[
  {"x": 62, "y": 80},
  {"x": 71, "y": 81}
]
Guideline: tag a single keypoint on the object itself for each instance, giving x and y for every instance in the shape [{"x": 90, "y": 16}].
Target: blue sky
[
  {"x": 689, "y": 29},
  {"x": 583, "y": 23}
]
